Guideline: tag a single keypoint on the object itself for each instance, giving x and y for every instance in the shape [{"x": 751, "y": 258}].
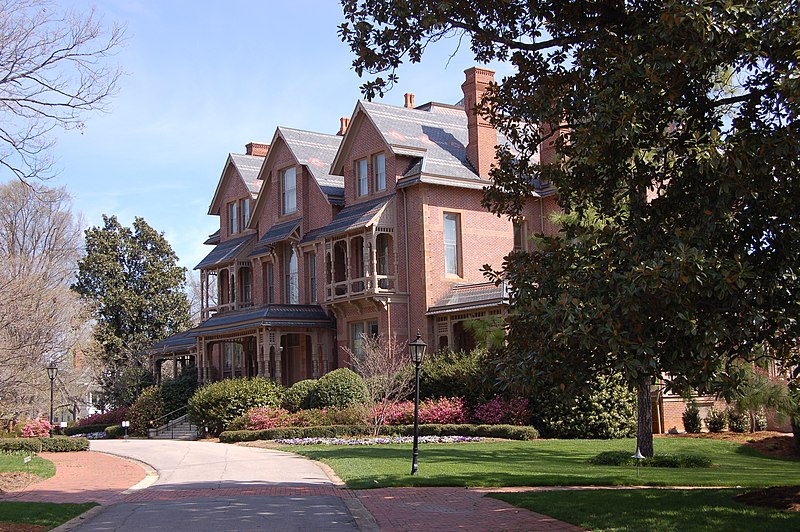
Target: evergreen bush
[
  {"x": 624, "y": 458},
  {"x": 215, "y": 405},
  {"x": 738, "y": 421},
  {"x": 716, "y": 420},
  {"x": 114, "y": 432},
  {"x": 339, "y": 388},
  {"x": 20, "y": 445},
  {"x": 147, "y": 407},
  {"x": 448, "y": 373},
  {"x": 64, "y": 444},
  {"x": 176, "y": 392},
  {"x": 110, "y": 417},
  {"x": 691, "y": 418},
  {"x": 608, "y": 410},
  {"x": 298, "y": 396}
]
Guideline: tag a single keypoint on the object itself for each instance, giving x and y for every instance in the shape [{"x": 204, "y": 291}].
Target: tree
[
  {"x": 54, "y": 72},
  {"x": 675, "y": 131},
  {"x": 41, "y": 320},
  {"x": 130, "y": 278},
  {"x": 384, "y": 365}
]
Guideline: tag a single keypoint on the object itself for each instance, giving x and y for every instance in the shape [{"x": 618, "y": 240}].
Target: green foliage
[
  {"x": 176, "y": 392},
  {"x": 458, "y": 374},
  {"x": 129, "y": 384},
  {"x": 737, "y": 420},
  {"x": 147, "y": 407},
  {"x": 716, "y": 420},
  {"x": 691, "y": 418},
  {"x": 114, "y": 432},
  {"x": 624, "y": 458},
  {"x": 46, "y": 515},
  {"x": 84, "y": 429},
  {"x": 510, "y": 432},
  {"x": 340, "y": 388},
  {"x": 64, "y": 444},
  {"x": 607, "y": 409},
  {"x": 489, "y": 332},
  {"x": 131, "y": 279},
  {"x": 675, "y": 140},
  {"x": 298, "y": 395},
  {"x": 20, "y": 445},
  {"x": 215, "y": 405}
]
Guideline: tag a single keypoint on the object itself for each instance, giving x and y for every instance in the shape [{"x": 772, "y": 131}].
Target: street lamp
[
  {"x": 417, "y": 351},
  {"x": 52, "y": 371}
]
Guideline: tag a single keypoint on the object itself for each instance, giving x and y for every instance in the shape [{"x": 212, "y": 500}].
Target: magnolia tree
[{"x": 675, "y": 130}]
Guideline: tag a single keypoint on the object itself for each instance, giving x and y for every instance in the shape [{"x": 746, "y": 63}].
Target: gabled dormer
[{"x": 237, "y": 190}]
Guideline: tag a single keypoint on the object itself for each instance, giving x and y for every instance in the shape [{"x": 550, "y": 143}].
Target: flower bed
[{"x": 377, "y": 441}]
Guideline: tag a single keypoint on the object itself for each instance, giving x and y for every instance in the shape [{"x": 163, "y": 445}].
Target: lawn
[
  {"x": 650, "y": 509},
  {"x": 37, "y": 466},
  {"x": 547, "y": 463},
  {"x": 45, "y": 514}
]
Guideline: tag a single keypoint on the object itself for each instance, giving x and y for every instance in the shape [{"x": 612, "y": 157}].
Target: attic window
[
  {"x": 362, "y": 177},
  {"x": 289, "y": 190},
  {"x": 379, "y": 168}
]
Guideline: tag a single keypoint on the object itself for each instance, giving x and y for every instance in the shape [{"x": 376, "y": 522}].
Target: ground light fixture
[
  {"x": 417, "y": 351},
  {"x": 52, "y": 371},
  {"x": 638, "y": 456}
]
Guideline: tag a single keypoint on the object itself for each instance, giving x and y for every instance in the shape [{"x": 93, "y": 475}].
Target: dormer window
[
  {"x": 245, "y": 213},
  {"x": 289, "y": 190},
  {"x": 362, "y": 177},
  {"x": 233, "y": 218},
  {"x": 379, "y": 169}
]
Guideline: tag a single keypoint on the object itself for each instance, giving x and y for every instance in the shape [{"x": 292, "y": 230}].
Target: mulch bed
[
  {"x": 21, "y": 527},
  {"x": 780, "y": 497},
  {"x": 16, "y": 480}
]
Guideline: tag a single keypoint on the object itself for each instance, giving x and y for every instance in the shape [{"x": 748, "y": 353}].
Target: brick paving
[{"x": 106, "y": 479}]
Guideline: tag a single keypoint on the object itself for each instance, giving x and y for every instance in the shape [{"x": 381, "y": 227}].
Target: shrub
[
  {"x": 298, "y": 396},
  {"x": 116, "y": 415},
  {"x": 608, "y": 410},
  {"x": 761, "y": 419},
  {"x": 691, "y": 418},
  {"x": 20, "y": 445},
  {"x": 624, "y": 458},
  {"x": 64, "y": 444},
  {"x": 716, "y": 420},
  {"x": 114, "y": 432},
  {"x": 442, "y": 410},
  {"x": 498, "y": 410},
  {"x": 176, "y": 392},
  {"x": 264, "y": 417},
  {"x": 215, "y": 405},
  {"x": 340, "y": 388},
  {"x": 147, "y": 407},
  {"x": 36, "y": 428},
  {"x": 738, "y": 421},
  {"x": 84, "y": 429},
  {"x": 447, "y": 373}
]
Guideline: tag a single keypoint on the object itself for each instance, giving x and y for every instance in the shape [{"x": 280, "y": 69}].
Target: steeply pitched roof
[
  {"x": 248, "y": 167},
  {"x": 226, "y": 252},
  {"x": 350, "y": 218},
  {"x": 470, "y": 296},
  {"x": 316, "y": 151},
  {"x": 266, "y": 316}
]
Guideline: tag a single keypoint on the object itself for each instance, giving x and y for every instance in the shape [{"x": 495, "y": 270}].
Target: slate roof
[
  {"x": 276, "y": 233},
  {"x": 248, "y": 167},
  {"x": 226, "y": 252},
  {"x": 350, "y": 218},
  {"x": 316, "y": 151},
  {"x": 470, "y": 296},
  {"x": 266, "y": 316},
  {"x": 213, "y": 238},
  {"x": 176, "y": 343}
]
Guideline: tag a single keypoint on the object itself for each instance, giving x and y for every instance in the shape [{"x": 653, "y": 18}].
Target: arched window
[{"x": 292, "y": 277}]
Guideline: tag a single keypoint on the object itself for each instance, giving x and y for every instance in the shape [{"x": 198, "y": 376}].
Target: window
[
  {"x": 270, "y": 283},
  {"x": 233, "y": 218},
  {"x": 362, "y": 178},
  {"x": 379, "y": 168},
  {"x": 289, "y": 190},
  {"x": 247, "y": 286},
  {"x": 292, "y": 296},
  {"x": 358, "y": 331},
  {"x": 519, "y": 235},
  {"x": 245, "y": 213},
  {"x": 311, "y": 270},
  {"x": 452, "y": 243}
]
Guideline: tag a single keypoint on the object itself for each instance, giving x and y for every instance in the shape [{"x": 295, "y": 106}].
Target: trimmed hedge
[
  {"x": 56, "y": 444},
  {"x": 510, "y": 432},
  {"x": 298, "y": 396},
  {"x": 114, "y": 432},
  {"x": 84, "y": 429},
  {"x": 340, "y": 388},
  {"x": 215, "y": 405},
  {"x": 624, "y": 458}
]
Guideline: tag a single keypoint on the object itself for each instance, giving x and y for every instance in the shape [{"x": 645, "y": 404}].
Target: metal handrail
[{"x": 155, "y": 422}]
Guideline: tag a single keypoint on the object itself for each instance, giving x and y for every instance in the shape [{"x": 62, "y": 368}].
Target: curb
[
  {"x": 76, "y": 521},
  {"x": 364, "y": 520}
]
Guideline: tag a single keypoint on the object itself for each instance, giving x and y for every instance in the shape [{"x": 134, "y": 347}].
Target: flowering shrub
[
  {"x": 498, "y": 410},
  {"x": 112, "y": 417},
  {"x": 449, "y": 410},
  {"x": 376, "y": 441},
  {"x": 36, "y": 428},
  {"x": 264, "y": 417}
]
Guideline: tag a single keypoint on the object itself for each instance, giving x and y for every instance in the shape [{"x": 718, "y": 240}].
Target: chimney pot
[
  {"x": 344, "y": 123},
  {"x": 259, "y": 149},
  {"x": 409, "y": 100}
]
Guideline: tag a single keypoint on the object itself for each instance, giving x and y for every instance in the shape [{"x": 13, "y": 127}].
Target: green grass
[
  {"x": 651, "y": 509},
  {"x": 548, "y": 463},
  {"x": 41, "y": 513},
  {"x": 37, "y": 466}
]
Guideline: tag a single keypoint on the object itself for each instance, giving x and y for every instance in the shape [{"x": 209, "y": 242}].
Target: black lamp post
[
  {"x": 52, "y": 371},
  {"x": 417, "y": 351}
]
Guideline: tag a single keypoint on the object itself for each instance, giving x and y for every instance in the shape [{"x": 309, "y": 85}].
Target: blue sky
[{"x": 202, "y": 80}]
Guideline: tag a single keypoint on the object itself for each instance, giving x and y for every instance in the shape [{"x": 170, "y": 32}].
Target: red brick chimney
[
  {"x": 256, "y": 148},
  {"x": 344, "y": 123},
  {"x": 482, "y": 136},
  {"x": 409, "y": 100}
]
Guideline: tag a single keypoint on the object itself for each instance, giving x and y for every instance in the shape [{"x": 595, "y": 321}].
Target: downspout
[
  {"x": 408, "y": 285},
  {"x": 541, "y": 213}
]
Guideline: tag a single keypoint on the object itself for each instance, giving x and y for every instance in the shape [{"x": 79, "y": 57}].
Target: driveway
[{"x": 212, "y": 486}]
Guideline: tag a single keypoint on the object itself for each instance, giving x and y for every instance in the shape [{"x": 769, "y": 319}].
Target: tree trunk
[{"x": 644, "y": 418}]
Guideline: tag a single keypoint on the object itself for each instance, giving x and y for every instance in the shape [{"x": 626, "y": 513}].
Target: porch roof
[
  {"x": 266, "y": 316},
  {"x": 354, "y": 217},
  {"x": 177, "y": 343},
  {"x": 225, "y": 252},
  {"x": 276, "y": 233},
  {"x": 470, "y": 296}
]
